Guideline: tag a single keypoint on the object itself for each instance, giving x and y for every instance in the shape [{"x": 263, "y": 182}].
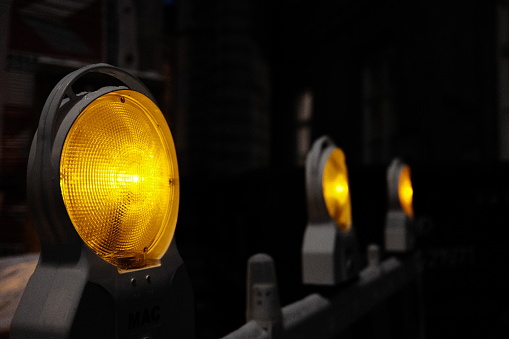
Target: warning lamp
[
  {"x": 103, "y": 188},
  {"x": 399, "y": 222},
  {"x": 329, "y": 250}
]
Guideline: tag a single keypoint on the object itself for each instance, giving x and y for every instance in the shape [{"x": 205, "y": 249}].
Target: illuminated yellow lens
[
  {"x": 405, "y": 191},
  {"x": 119, "y": 179},
  {"x": 335, "y": 189}
]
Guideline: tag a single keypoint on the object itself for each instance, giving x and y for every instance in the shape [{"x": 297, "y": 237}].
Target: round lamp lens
[
  {"x": 405, "y": 191},
  {"x": 119, "y": 179},
  {"x": 335, "y": 189}
]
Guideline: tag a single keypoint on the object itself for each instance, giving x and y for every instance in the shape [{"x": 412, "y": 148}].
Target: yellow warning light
[
  {"x": 335, "y": 189},
  {"x": 103, "y": 186},
  {"x": 405, "y": 191},
  {"x": 119, "y": 179},
  {"x": 329, "y": 249}
]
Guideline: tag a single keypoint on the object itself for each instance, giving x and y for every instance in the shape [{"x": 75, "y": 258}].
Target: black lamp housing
[{"x": 73, "y": 292}]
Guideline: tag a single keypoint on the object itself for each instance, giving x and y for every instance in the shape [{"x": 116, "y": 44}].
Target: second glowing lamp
[{"x": 329, "y": 250}]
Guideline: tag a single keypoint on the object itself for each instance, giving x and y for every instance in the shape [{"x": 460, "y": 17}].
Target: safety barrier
[{"x": 104, "y": 188}]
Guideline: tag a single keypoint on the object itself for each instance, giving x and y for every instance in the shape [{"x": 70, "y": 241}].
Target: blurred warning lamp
[
  {"x": 399, "y": 220},
  {"x": 329, "y": 248}
]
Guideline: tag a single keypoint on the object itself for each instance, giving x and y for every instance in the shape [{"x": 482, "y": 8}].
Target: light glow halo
[{"x": 336, "y": 192}]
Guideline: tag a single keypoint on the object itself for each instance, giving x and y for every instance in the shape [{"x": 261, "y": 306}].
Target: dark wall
[{"x": 392, "y": 78}]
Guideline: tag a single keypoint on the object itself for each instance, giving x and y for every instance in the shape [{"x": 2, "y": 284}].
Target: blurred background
[{"x": 247, "y": 86}]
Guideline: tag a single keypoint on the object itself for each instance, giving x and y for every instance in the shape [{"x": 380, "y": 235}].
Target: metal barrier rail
[{"x": 316, "y": 316}]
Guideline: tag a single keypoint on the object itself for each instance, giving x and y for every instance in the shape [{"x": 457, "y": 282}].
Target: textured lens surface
[
  {"x": 119, "y": 178},
  {"x": 405, "y": 191},
  {"x": 335, "y": 189}
]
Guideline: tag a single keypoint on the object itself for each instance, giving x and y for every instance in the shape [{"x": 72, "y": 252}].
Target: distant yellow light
[
  {"x": 119, "y": 179},
  {"x": 405, "y": 191},
  {"x": 335, "y": 189}
]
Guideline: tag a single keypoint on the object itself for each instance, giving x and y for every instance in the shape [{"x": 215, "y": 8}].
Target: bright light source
[
  {"x": 405, "y": 191},
  {"x": 335, "y": 189},
  {"x": 103, "y": 186},
  {"x": 329, "y": 250},
  {"x": 119, "y": 179}
]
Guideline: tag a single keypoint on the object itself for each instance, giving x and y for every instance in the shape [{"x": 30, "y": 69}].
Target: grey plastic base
[
  {"x": 329, "y": 256},
  {"x": 399, "y": 232}
]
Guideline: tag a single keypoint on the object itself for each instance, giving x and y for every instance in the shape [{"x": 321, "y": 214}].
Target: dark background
[{"x": 423, "y": 80}]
